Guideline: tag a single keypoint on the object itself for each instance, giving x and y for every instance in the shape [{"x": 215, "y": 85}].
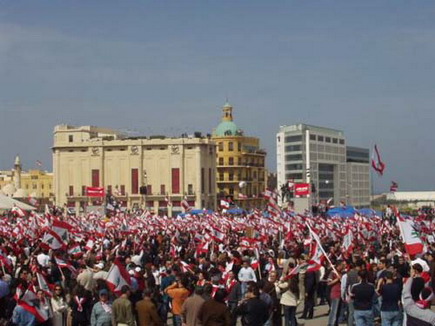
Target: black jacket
[{"x": 254, "y": 312}]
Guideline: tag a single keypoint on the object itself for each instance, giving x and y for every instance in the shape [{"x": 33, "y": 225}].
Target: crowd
[{"x": 214, "y": 269}]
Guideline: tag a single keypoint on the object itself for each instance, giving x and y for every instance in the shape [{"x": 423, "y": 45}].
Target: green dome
[{"x": 227, "y": 128}]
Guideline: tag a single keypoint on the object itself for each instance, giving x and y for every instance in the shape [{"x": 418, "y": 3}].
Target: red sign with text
[{"x": 302, "y": 189}]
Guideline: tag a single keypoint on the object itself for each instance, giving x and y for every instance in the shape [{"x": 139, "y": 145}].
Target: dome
[
  {"x": 9, "y": 189},
  {"x": 227, "y": 128},
  {"x": 20, "y": 193}
]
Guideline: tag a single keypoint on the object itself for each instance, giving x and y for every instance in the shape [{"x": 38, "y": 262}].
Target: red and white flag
[
  {"x": 117, "y": 277},
  {"x": 242, "y": 196},
  {"x": 38, "y": 163},
  {"x": 75, "y": 251},
  {"x": 27, "y": 301},
  {"x": 43, "y": 284},
  {"x": 348, "y": 241},
  {"x": 17, "y": 211},
  {"x": 394, "y": 186},
  {"x": 217, "y": 234},
  {"x": 94, "y": 191},
  {"x": 52, "y": 240},
  {"x": 63, "y": 264},
  {"x": 168, "y": 201},
  {"x": 224, "y": 204},
  {"x": 185, "y": 205},
  {"x": 377, "y": 163},
  {"x": 410, "y": 236}
]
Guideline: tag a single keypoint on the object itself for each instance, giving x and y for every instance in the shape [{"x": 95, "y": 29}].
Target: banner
[
  {"x": 302, "y": 189},
  {"x": 94, "y": 192}
]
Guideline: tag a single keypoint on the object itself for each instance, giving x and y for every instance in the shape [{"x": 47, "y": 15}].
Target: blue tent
[
  {"x": 236, "y": 211},
  {"x": 346, "y": 211},
  {"x": 196, "y": 212}
]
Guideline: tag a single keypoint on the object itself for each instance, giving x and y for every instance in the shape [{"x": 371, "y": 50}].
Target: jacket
[
  {"x": 288, "y": 298},
  {"x": 147, "y": 313},
  {"x": 190, "y": 310},
  {"x": 214, "y": 313},
  {"x": 254, "y": 312},
  {"x": 415, "y": 316}
]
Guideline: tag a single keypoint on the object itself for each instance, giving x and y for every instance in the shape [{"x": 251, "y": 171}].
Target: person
[
  {"x": 363, "y": 294},
  {"x": 334, "y": 282},
  {"x": 351, "y": 279},
  {"x": 215, "y": 312},
  {"x": 246, "y": 275},
  {"x": 122, "y": 309},
  {"x": 59, "y": 306},
  {"x": 22, "y": 317},
  {"x": 178, "y": 292},
  {"x": 310, "y": 290},
  {"x": 289, "y": 288},
  {"x": 269, "y": 287},
  {"x": 192, "y": 306},
  {"x": 81, "y": 307},
  {"x": 417, "y": 312},
  {"x": 101, "y": 314},
  {"x": 252, "y": 309},
  {"x": 234, "y": 290},
  {"x": 390, "y": 293},
  {"x": 147, "y": 311}
]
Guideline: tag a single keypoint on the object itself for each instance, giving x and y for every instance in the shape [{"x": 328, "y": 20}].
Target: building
[
  {"x": 170, "y": 169},
  {"x": 241, "y": 171},
  {"x": 412, "y": 199},
  {"x": 358, "y": 176},
  {"x": 34, "y": 183},
  {"x": 318, "y": 156}
]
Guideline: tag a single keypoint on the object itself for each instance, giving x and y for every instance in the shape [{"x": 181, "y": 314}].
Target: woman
[
  {"x": 44, "y": 305},
  {"x": 81, "y": 307},
  {"x": 289, "y": 289},
  {"x": 59, "y": 306}
]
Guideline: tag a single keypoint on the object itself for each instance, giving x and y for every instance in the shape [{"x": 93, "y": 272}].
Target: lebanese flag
[
  {"x": 168, "y": 201},
  {"x": 202, "y": 248},
  {"x": 185, "y": 267},
  {"x": 117, "y": 277},
  {"x": 75, "y": 251},
  {"x": 185, "y": 205},
  {"x": 377, "y": 163},
  {"x": 43, "y": 284},
  {"x": 90, "y": 244},
  {"x": 255, "y": 264},
  {"x": 295, "y": 271},
  {"x": 317, "y": 255},
  {"x": 242, "y": 196},
  {"x": 394, "y": 186},
  {"x": 61, "y": 229},
  {"x": 63, "y": 264},
  {"x": 27, "y": 301},
  {"x": 410, "y": 236},
  {"x": 217, "y": 234},
  {"x": 348, "y": 241},
  {"x": 94, "y": 191},
  {"x": 17, "y": 211},
  {"x": 224, "y": 204},
  {"x": 52, "y": 240}
]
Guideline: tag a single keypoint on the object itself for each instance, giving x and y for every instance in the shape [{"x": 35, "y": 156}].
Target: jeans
[
  {"x": 243, "y": 288},
  {"x": 391, "y": 318},
  {"x": 290, "y": 315},
  {"x": 350, "y": 311},
  {"x": 178, "y": 320},
  {"x": 335, "y": 310},
  {"x": 363, "y": 317}
]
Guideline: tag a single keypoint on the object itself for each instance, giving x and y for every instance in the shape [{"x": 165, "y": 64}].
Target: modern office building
[
  {"x": 34, "y": 183},
  {"x": 241, "y": 163},
  {"x": 168, "y": 168},
  {"x": 358, "y": 176},
  {"x": 318, "y": 156}
]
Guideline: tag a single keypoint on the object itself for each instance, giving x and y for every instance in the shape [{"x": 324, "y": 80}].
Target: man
[
  {"x": 147, "y": 311},
  {"x": 391, "y": 294},
  {"x": 351, "y": 279},
  {"x": 310, "y": 290},
  {"x": 363, "y": 294},
  {"x": 334, "y": 282},
  {"x": 234, "y": 290},
  {"x": 269, "y": 287},
  {"x": 102, "y": 311},
  {"x": 253, "y": 310},
  {"x": 246, "y": 274},
  {"x": 178, "y": 292},
  {"x": 122, "y": 309},
  {"x": 86, "y": 278},
  {"x": 191, "y": 307},
  {"x": 215, "y": 312},
  {"x": 417, "y": 313}
]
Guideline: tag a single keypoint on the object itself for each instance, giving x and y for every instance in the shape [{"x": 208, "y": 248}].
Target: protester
[
  {"x": 192, "y": 306},
  {"x": 147, "y": 311},
  {"x": 215, "y": 312},
  {"x": 122, "y": 309},
  {"x": 101, "y": 314},
  {"x": 363, "y": 294}
]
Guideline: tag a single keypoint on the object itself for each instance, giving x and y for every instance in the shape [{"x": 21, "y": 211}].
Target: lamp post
[{"x": 145, "y": 184}]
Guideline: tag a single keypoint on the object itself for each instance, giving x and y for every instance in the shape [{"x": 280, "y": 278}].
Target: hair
[
  {"x": 148, "y": 293},
  {"x": 363, "y": 275},
  {"x": 199, "y": 290},
  {"x": 389, "y": 275},
  {"x": 253, "y": 288},
  {"x": 417, "y": 267},
  {"x": 220, "y": 295},
  {"x": 125, "y": 289}
]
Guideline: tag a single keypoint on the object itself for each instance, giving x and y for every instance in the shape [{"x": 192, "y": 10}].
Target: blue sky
[{"x": 166, "y": 67}]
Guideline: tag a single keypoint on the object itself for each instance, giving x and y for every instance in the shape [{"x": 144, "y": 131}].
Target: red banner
[
  {"x": 94, "y": 192},
  {"x": 302, "y": 189}
]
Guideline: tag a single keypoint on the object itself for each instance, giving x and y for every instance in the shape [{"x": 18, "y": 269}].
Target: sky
[{"x": 167, "y": 67}]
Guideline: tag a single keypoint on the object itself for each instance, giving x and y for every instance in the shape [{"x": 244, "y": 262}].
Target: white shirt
[{"x": 247, "y": 274}]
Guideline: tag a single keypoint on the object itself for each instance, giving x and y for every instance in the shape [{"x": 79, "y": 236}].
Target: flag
[
  {"x": 94, "y": 191},
  {"x": 63, "y": 264},
  {"x": 348, "y": 241},
  {"x": 52, "y": 240},
  {"x": 410, "y": 236},
  {"x": 242, "y": 196},
  {"x": 224, "y": 204},
  {"x": 61, "y": 228},
  {"x": 317, "y": 255},
  {"x": 75, "y": 251},
  {"x": 394, "y": 186},
  {"x": 168, "y": 201},
  {"x": 255, "y": 264},
  {"x": 90, "y": 244},
  {"x": 28, "y": 301},
  {"x": 217, "y": 234},
  {"x": 117, "y": 277},
  {"x": 38, "y": 163},
  {"x": 377, "y": 163},
  {"x": 43, "y": 284},
  {"x": 17, "y": 211},
  {"x": 186, "y": 268},
  {"x": 185, "y": 205}
]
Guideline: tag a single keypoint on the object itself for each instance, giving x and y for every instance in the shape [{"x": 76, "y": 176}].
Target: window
[
  {"x": 209, "y": 181},
  {"x": 221, "y": 176},
  {"x": 83, "y": 190},
  {"x": 134, "y": 181},
  {"x": 292, "y": 139},
  {"x": 149, "y": 189},
  {"x": 319, "y": 138},
  {"x": 71, "y": 190},
  {"x": 341, "y": 141},
  {"x": 190, "y": 189},
  {"x": 239, "y": 160},
  {"x": 335, "y": 140},
  {"x": 230, "y": 176},
  {"x": 70, "y": 138},
  {"x": 231, "y": 161},
  {"x": 293, "y": 148},
  {"x": 230, "y": 146},
  {"x": 313, "y": 137},
  {"x": 42, "y": 186},
  {"x": 202, "y": 180},
  {"x": 294, "y": 176},
  {"x": 162, "y": 189},
  {"x": 95, "y": 178},
  {"x": 294, "y": 167},
  {"x": 122, "y": 190},
  {"x": 221, "y": 161},
  {"x": 254, "y": 175},
  {"x": 328, "y": 139},
  {"x": 239, "y": 146},
  {"x": 294, "y": 157},
  {"x": 175, "y": 180},
  {"x": 221, "y": 146},
  {"x": 34, "y": 186}
]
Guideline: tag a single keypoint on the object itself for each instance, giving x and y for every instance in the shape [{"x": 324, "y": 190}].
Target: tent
[
  {"x": 345, "y": 211},
  {"x": 7, "y": 203}
]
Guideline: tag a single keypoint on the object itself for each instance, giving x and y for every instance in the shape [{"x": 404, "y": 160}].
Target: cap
[
  {"x": 103, "y": 292},
  {"x": 137, "y": 269},
  {"x": 99, "y": 265}
]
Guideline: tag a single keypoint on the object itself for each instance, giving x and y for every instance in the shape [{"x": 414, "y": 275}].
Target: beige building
[
  {"x": 240, "y": 163},
  {"x": 21, "y": 184},
  {"x": 168, "y": 168}
]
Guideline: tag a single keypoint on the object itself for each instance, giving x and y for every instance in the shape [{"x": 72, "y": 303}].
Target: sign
[
  {"x": 94, "y": 192},
  {"x": 291, "y": 184},
  {"x": 302, "y": 189}
]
